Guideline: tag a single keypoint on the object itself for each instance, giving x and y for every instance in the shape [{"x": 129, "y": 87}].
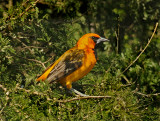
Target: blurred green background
[{"x": 34, "y": 33}]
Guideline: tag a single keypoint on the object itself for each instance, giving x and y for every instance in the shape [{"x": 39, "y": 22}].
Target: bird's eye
[{"x": 94, "y": 38}]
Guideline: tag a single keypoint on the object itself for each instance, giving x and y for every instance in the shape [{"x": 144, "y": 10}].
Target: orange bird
[{"x": 74, "y": 63}]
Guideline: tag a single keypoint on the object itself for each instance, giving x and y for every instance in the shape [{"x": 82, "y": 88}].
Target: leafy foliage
[{"x": 35, "y": 33}]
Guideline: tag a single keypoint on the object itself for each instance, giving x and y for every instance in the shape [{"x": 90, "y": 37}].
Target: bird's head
[{"x": 90, "y": 40}]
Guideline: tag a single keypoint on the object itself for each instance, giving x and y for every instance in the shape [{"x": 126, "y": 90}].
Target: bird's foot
[{"x": 77, "y": 92}]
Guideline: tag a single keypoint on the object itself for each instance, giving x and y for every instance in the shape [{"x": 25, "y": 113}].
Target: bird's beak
[{"x": 101, "y": 39}]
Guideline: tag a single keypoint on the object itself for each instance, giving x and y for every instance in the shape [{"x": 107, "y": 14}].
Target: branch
[
  {"x": 80, "y": 98},
  {"x": 117, "y": 36},
  {"x": 142, "y": 50},
  {"x": 7, "y": 97},
  {"x": 29, "y": 91},
  {"x": 10, "y": 17},
  {"x": 48, "y": 60},
  {"x": 146, "y": 95},
  {"x": 2, "y": 87},
  {"x": 31, "y": 6},
  {"x": 62, "y": 101},
  {"x": 26, "y": 10},
  {"x": 34, "y": 60},
  {"x": 26, "y": 46},
  {"x": 37, "y": 61},
  {"x": 49, "y": 99}
]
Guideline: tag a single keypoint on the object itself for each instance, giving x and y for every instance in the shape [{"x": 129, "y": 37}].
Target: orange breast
[{"x": 88, "y": 63}]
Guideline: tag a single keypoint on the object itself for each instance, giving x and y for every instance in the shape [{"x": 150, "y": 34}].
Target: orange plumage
[{"x": 74, "y": 63}]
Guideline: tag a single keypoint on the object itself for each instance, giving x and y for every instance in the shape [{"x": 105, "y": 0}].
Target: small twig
[
  {"x": 139, "y": 93},
  {"x": 37, "y": 62},
  {"x": 126, "y": 85},
  {"x": 10, "y": 17},
  {"x": 25, "y": 46},
  {"x": 25, "y": 2},
  {"x": 126, "y": 79},
  {"x": 7, "y": 97},
  {"x": 111, "y": 65},
  {"x": 2, "y": 87},
  {"x": 48, "y": 60},
  {"x": 117, "y": 36},
  {"x": 146, "y": 95},
  {"x": 16, "y": 10},
  {"x": 80, "y": 98},
  {"x": 155, "y": 94},
  {"x": 34, "y": 60},
  {"x": 29, "y": 91},
  {"x": 28, "y": 8},
  {"x": 62, "y": 101},
  {"x": 33, "y": 47}
]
